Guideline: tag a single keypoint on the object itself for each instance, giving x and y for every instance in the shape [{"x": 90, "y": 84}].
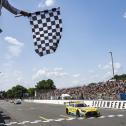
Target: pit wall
[{"x": 91, "y": 103}]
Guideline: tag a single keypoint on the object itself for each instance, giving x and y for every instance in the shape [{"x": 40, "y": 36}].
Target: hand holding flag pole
[
  {"x": 18, "y": 15},
  {"x": 23, "y": 13}
]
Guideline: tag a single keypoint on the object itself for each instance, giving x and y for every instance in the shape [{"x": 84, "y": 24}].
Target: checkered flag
[{"x": 46, "y": 29}]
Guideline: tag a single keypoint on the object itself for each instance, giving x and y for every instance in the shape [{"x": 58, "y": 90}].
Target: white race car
[{"x": 17, "y": 101}]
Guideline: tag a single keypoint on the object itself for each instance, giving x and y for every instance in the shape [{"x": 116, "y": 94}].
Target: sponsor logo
[{"x": 109, "y": 104}]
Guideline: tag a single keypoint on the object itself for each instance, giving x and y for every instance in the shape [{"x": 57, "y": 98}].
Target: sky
[{"x": 91, "y": 29}]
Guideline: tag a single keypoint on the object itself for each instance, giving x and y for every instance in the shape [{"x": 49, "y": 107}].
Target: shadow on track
[{"x": 3, "y": 118}]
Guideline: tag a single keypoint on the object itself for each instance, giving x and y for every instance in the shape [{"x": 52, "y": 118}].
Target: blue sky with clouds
[{"x": 90, "y": 30}]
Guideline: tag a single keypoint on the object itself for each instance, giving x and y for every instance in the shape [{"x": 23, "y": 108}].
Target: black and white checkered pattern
[{"x": 46, "y": 29}]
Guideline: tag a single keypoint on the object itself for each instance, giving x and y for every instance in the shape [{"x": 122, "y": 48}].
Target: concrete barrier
[{"x": 92, "y": 103}]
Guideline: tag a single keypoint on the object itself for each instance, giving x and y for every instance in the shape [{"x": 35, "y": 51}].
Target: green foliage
[
  {"x": 10, "y": 94},
  {"x": 19, "y": 91},
  {"x": 45, "y": 85},
  {"x": 16, "y": 92},
  {"x": 3, "y": 94},
  {"x": 31, "y": 92},
  {"x": 120, "y": 77}
]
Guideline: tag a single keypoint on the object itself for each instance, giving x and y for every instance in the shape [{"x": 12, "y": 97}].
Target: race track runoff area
[{"x": 34, "y": 114}]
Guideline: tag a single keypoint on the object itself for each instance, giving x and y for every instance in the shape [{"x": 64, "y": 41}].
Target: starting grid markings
[{"x": 58, "y": 120}]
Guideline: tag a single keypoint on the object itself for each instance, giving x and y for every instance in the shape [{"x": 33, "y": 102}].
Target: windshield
[{"x": 81, "y": 105}]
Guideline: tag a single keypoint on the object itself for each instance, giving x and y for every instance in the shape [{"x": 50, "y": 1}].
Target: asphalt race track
[{"x": 34, "y": 114}]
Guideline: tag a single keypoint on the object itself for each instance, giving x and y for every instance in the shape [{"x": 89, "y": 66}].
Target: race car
[
  {"x": 81, "y": 109},
  {"x": 17, "y": 101}
]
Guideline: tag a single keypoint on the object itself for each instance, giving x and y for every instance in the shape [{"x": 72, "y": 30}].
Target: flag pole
[{"x": 113, "y": 72}]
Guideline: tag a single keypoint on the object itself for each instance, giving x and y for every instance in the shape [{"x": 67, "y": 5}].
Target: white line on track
[
  {"x": 65, "y": 116},
  {"x": 120, "y": 115},
  {"x": 2, "y": 124},
  {"x": 24, "y": 122},
  {"x": 80, "y": 118},
  {"x": 49, "y": 120},
  {"x": 101, "y": 117},
  {"x": 70, "y": 118},
  {"x": 36, "y": 121},
  {"x": 111, "y": 116},
  {"x": 11, "y": 123},
  {"x": 8, "y": 124},
  {"x": 60, "y": 119},
  {"x": 46, "y": 121},
  {"x": 91, "y": 118}
]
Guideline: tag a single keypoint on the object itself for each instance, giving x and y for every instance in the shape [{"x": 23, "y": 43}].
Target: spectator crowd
[{"x": 109, "y": 90}]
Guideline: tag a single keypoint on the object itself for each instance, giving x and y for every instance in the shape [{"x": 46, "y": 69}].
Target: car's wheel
[
  {"x": 77, "y": 113},
  {"x": 67, "y": 111},
  {"x": 99, "y": 114},
  {"x": 85, "y": 116}
]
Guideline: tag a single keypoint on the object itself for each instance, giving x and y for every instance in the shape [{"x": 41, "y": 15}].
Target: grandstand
[{"x": 109, "y": 90}]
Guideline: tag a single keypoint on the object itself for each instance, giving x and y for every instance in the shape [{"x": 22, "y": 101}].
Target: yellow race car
[{"x": 81, "y": 109}]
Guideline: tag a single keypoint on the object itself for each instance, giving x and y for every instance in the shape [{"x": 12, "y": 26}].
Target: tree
[
  {"x": 120, "y": 77},
  {"x": 45, "y": 85},
  {"x": 50, "y": 84},
  {"x": 3, "y": 94},
  {"x": 10, "y": 94},
  {"x": 31, "y": 92},
  {"x": 19, "y": 91}
]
